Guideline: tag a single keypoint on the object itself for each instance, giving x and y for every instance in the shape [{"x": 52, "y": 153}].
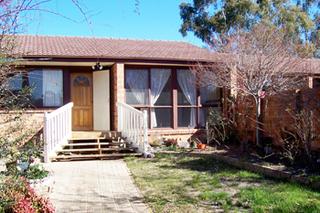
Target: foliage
[
  {"x": 178, "y": 183},
  {"x": 35, "y": 172},
  {"x": 16, "y": 195},
  {"x": 13, "y": 151},
  {"x": 221, "y": 127},
  {"x": 170, "y": 142},
  {"x": 209, "y": 19}
]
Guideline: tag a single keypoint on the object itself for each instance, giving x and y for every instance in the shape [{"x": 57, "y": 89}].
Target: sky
[{"x": 155, "y": 20}]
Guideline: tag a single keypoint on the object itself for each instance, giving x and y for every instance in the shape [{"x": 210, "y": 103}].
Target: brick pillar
[{"x": 117, "y": 92}]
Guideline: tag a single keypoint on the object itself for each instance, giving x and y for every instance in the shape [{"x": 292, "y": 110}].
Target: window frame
[
  {"x": 174, "y": 97},
  {"x": 26, "y": 83}
]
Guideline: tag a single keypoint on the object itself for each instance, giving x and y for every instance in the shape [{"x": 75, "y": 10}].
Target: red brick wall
[{"x": 277, "y": 114}]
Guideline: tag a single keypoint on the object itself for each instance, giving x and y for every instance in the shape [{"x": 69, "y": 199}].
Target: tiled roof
[{"x": 89, "y": 47}]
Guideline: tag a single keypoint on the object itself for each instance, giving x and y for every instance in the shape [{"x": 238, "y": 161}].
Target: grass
[{"x": 178, "y": 183}]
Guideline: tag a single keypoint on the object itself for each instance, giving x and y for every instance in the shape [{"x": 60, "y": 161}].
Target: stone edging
[{"x": 254, "y": 167}]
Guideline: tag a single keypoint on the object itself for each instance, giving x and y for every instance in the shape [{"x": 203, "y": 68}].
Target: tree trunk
[{"x": 258, "y": 120}]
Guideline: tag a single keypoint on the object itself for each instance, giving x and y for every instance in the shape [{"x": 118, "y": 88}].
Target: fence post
[
  {"x": 120, "y": 125},
  {"x": 145, "y": 130},
  {"x": 45, "y": 138},
  {"x": 70, "y": 121}
]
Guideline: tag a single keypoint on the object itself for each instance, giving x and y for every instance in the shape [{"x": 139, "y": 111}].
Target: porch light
[{"x": 97, "y": 67}]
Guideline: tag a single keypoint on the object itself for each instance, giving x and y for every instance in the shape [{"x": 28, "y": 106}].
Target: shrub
[
  {"x": 16, "y": 195},
  {"x": 220, "y": 128},
  {"x": 299, "y": 139},
  {"x": 171, "y": 142},
  {"x": 36, "y": 172}
]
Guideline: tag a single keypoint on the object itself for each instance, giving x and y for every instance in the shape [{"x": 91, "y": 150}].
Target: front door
[{"x": 81, "y": 96}]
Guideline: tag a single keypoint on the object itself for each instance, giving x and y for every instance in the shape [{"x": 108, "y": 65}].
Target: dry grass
[{"x": 177, "y": 183}]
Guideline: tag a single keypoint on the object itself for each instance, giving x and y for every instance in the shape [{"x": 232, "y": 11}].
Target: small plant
[
  {"x": 36, "y": 172},
  {"x": 170, "y": 142},
  {"x": 220, "y": 128}
]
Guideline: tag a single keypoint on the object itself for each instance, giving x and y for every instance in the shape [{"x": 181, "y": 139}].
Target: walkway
[{"x": 94, "y": 186}]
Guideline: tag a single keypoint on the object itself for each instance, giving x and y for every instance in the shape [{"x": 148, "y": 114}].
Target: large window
[
  {"x": 46, "y": 87},
  {"x": 150, "y": 89},
  {"x": 170, "y": 96}
]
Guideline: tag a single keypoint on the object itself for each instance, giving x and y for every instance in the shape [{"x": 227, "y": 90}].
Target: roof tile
[{"x": 90, "y": 47}]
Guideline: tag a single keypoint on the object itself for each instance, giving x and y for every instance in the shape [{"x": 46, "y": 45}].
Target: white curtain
[
  {"x": 52, "y": 87},
  {"x": 137, "y": 81},
  {"x": 187, "y": 83},
  {"x": 159, "y": 78}
]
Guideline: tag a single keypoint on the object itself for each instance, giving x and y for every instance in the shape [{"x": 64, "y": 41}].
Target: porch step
[
  {"x": 94, "y": 156},
  {"x": 94, "y": 145},
  {"x": 94, "y": 149},
  {"x": 95, "y": 134}
]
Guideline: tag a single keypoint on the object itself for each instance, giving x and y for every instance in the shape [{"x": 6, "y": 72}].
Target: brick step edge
[{"x": 253, "y": 167}]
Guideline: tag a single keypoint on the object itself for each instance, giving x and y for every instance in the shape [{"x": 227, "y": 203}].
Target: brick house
[
  {"x": 93, "y": 88},
  {"x": 98, "y": 75}
]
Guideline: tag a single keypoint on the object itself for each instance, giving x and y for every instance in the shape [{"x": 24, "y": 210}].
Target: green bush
[{"x": 35, "y": 172}]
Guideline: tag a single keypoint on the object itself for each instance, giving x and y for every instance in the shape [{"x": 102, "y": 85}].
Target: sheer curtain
[
  {"x": 52, "y": 87},
  {"x": 137, "y": 81},
  {"x": 159, "y": 78},
  {"x": 187, "y": 83}
]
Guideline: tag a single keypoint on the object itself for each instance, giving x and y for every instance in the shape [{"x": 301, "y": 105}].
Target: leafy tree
[{"x": 209, "y": 19}]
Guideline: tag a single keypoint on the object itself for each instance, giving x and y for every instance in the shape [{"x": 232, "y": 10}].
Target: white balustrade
[
  {"x": 133, "y": 125},
  {"x": 57, "y": 129}
]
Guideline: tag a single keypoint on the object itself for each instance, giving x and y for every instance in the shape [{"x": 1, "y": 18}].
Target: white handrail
[
  {"x": 133, "y": 125},
  {"x": 57, "y": 129}
]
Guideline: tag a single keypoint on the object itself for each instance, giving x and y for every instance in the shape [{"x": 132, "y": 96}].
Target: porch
[{"x": 62, "y": 143}]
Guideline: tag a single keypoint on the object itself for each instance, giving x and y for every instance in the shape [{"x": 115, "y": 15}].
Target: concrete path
[{"x": 94, "y": 186}]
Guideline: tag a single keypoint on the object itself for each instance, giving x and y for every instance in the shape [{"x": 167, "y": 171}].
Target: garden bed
[
  {"x": 191, "y": 182},
  {"x": 278, "y": 171}
]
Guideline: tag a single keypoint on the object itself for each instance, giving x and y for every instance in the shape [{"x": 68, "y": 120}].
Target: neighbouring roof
[{"x": 107, "y": 48}]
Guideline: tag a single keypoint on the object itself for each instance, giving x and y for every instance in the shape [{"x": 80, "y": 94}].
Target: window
[
  {"x": 316, "y": 82},
  {"x": 161, "y": 98},
  {"x": 151, "y": 89},
  {"x": 205, "y": 112},
  {"x": 137, "y": 87},
  {"x": 209, "y": 95},
  {"x": 46, "y": 87},
  {"x": 170, "y": 97},
  {"x": 15, "y": 83},
  {"x": 187, "y": 98},
  {"x": 210, "y": 103}
]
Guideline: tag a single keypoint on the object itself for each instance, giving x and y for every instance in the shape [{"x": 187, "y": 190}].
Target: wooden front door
[{"x": 81, "y": 96}]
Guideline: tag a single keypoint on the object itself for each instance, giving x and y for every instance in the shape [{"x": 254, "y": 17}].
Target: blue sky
[{"x": 157, "y": 19}]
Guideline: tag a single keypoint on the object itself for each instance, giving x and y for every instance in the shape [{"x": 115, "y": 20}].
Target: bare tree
[{"x": 259, "y": 63}]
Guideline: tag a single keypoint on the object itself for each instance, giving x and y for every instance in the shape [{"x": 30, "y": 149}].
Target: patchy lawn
[{"x": 177, "y": 183}]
